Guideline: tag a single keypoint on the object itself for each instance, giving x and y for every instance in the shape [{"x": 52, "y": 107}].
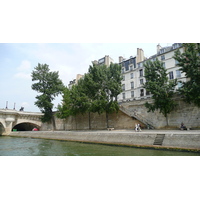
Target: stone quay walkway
[{"x": 187, "y": 140}]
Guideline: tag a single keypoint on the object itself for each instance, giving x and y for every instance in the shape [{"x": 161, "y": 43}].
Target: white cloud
[
  {"x": 24, "y": 70},
  {"x": 25, "y": 66},
  {"x": 23, "y": 75}
]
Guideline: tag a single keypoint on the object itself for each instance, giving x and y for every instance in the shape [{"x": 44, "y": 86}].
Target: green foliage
[
  {"x": 161, "y": 88},
  {"x": 189, "y": 63},
  {"x": 96, "y": 92},
  {"x": 64, "y": 110},
  {"x": 49, "y": 85}
]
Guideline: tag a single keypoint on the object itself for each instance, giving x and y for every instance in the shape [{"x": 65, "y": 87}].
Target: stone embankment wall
[
  {"x": 175, "y": 140},
  {"x": 94, "y": 121},
  {"x": 186, "y": 113}
]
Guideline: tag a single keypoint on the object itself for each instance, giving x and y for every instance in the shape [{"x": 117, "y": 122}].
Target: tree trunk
[
  {"x": 167, "y": 120},
  {"x": 89, "y": 121},
  {"x": 53, "y": 122},
  {"x": 107, "y": 120}
]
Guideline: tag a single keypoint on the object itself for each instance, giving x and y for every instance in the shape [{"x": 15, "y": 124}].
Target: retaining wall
[
  {"x": 94, "y": 122},
  {"x": 128, "y": 138}
]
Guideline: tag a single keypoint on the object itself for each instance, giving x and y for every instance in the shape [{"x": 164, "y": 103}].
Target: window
[
  {"x": 142, "y": 92},
  {"x": 123, "y": 87},
  {"x": 176, "y": 45},
  {"x": 141, "y": 72},
  {"x": 140, "y": 65},
  {"x": 178, "y": 74},
  {"x": 123, "y": 95},
  {"x": 122, "y": 70},
  {"x": 163, "y": 57},
  {"x": 126, "y": 65},
  {"x": 132, "y": 94},
  {"x": 164, "y": 65},
  {"x": 131, "y": 68},
  {"x": 176, "y": 62},
  {"x": 132, "y": 85},
  {"x": 171, "y": 75},
  {"x": 131, "y": 75},
  {"x": 101, "y": 61},
  {"x": 123, "y": 78},
  {"x": 141, "y": 81},
  {"x": 148, "y": 93},
  {"x": 162, "y": 51},
  {"x": 179, "y": 85}
]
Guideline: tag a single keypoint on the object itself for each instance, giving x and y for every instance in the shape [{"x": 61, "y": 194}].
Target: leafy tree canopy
[
  {"x": 161, "y": 88},
  {"x": 49, "y": 85},
  {"x": 97, "y": 91},
  {"x": 189, "y": 62}
]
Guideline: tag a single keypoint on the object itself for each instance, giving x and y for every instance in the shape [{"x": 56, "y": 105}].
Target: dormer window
[{"x": 162, "y": 51}]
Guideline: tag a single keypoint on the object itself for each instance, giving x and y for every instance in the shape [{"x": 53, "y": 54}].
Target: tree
[
  {"x": 64, "y": 110},
  {"x": 189, "y": 62},
  {"x": 50, "y": 86},
  {"x": 161, "y": 88},
  {"x": 104, "y": 85},
  {"x": 96, "y": 92}
]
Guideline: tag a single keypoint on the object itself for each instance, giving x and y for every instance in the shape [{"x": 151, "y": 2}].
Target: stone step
[{"x": 159, "y": 139}]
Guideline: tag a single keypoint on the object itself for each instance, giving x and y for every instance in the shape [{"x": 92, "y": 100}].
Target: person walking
[
  {"x": 136, "y": 128},
  {"x": 139, "y": 128}
]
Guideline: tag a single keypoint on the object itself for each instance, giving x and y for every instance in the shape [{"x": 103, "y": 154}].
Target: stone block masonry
[
  {"x": 174, "y": 140},
  {"x": 186, "y": 113}
]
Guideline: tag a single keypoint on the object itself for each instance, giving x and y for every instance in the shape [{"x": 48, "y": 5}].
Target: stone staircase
[
  {"x": 159, "y": 139},
  {"x": 137, "y": 116}
]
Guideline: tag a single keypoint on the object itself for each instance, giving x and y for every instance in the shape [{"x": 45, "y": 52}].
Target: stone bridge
[{"x": 18, "y": 120}]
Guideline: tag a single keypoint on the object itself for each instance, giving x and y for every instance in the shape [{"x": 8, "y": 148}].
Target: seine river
[{"x": 13, "y": 146}]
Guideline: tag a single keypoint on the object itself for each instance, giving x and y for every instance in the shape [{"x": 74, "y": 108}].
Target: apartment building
[
  {"x": 133, "y": 71},
  {"x": 131, "y": 81},
  {"x": 106, "y": 60},
  {"x": 133, "y": 77},
  {"x": 75, "y": 81}
]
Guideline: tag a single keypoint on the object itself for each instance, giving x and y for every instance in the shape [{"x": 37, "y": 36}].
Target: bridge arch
[
  {"x": 26, "y": 126},
  {"x": 2, "y": 129}
]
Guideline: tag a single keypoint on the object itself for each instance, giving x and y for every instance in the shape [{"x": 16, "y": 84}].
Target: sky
[
  {"x": 68, "y": 35},
  {"x": 18, "y": 60}
]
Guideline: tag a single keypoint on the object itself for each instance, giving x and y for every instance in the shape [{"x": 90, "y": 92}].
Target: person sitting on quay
[{"x": 183, "y": 127}]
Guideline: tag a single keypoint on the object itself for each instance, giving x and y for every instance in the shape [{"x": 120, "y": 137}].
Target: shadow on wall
[
  {"x": 1, "y": 128},
  {"x": 25, "y": 127}
]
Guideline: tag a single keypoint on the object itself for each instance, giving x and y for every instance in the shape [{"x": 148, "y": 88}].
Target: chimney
[
  {"x": 158, "y": 48},
  {"x": 120, "y": 59},
  {"x": 140, "y": 55},
  {"x": 95, "y": 62}
]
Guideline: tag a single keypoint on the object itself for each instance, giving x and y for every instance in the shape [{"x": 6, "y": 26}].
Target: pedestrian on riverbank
[
  {"x": 183, "y": 127},
  {"x": 139, "y": 128},
  {"x": 136, "y": 128}
]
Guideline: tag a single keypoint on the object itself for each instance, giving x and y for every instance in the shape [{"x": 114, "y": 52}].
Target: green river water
[{"x": 14, "y": 146}]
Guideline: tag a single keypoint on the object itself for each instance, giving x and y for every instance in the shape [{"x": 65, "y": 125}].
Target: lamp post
[
  {"x": 6, "y": 104},
  {"x": 14, "y": 106}
]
